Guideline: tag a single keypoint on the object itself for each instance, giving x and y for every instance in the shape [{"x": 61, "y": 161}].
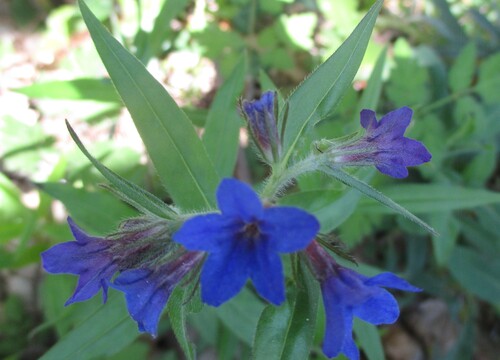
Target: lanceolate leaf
[
  {"x": 77, "y": 89},
  {"x": 316, "y": 97},
  {"x": 223, "y": 125},
  {"x": 129, "y": 192},
  {"x": 178, "y": 154},
  {"x": 177, "y": 314},
  {"x": 366, "y": 189},
  {"x": 101, "y": 335},
  {"x": 286, "y": 331}
]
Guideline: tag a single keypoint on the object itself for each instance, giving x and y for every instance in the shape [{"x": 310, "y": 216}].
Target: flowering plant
[{"x": 249, "y": 234}]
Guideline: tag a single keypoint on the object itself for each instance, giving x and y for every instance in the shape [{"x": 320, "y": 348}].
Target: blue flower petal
[
  {"x": 395, "y": 170},
  {"x": 91, "y": 281},
  {"x": 393, "y": 124},
  {"x": 267, "y": 276},
  {"x": 224, "y": 274},
  {"x": 368, "y": 119},
  {"x": 392, "y": 281},
  {"x": 211, "y": 232},
  {"x": 289, "y": 229},
  {"x": 88, "y": 257},
  {"x": 146, "y": 296},
  {"x": 381, "y": 308},
  {"x": 79, "y": 235},
  {"x": 147, "y": 290},
  {"x": 335, "y": 330},
  {"x": 237, "y": 199}
]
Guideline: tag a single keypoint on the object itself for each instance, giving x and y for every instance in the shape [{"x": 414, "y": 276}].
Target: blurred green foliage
[{"x": 443, "y": 60}]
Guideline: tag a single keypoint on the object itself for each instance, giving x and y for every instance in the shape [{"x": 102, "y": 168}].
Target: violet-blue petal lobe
[
  {"x": 145, "y": 295},
  {"x": 267, "y": 276},
  {"x": 380, "y": 308},
  {"x": 235, "y": 198},
  {"x": 392, "y": 281},
  {"x": 368, "y": 119},
  {"x": 206, "y": 232},
  {"x": 289, "y": 229},
  {"x": 224, "y": 275}
]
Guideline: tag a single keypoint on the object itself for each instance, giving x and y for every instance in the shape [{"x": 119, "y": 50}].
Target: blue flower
[
  {"x": 383, "y": 145},
  {"x": 88, "y": 257},
  {"x": 261, "y": 118},
  {"x": 244, "y": 241},
  {"x": 347, "y": 294},
  {"x": 147, "y": 290}
]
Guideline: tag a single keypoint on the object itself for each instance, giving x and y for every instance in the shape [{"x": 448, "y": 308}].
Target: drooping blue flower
[
  {"x": 383, "y": 145},
  {"x": 244, "y": 241},
  {"x": 88, "y": 257},
  {"x": 147, "y": 290},
  {"x": 261, "y": 117},
  {"x": 347, "y": 294}
]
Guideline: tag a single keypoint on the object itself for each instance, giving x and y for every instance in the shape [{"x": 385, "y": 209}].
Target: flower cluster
[
  {"x": 139, "y": 251},
  {"x": 243, "y": 241}
]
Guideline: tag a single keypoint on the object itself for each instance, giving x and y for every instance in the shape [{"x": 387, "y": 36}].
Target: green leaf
[
  {"x": 316, "y": 97},
  {"x": 433, "y": 198},
  {"x": 108, "y": 330},
  {"x": 489, "y": 79},
  {"x": 178, "y": 154},
  {"x": 369, "y": 339},
  {"x": 478, "y": 273},
  {"x": 127, "y": 191},
  {"x": 95, "y": 211},
  {"x": 462, "y": 71},
  {"x": 366, "y": 189},
  {"x": 371, "y": 95},
  {"x": 287, "y": 331},
  {"x": 78, "y": 89},
  {"x": 240, "y": 315},
  {"x": 177, "y": 315},
  {"x": 448, "y": 229},
  {"x": 223, "y": 123},
  {"x": 331, "y": 207},
  {"x": 152, "y": 43}
]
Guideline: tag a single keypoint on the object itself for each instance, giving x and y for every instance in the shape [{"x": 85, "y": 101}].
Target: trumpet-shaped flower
[
  {"x": 347, "y": 294},
  {"x": 147, "y": 290},
  {"x": 383, "y": 145},
  {"x": 244, "y": 241},
  {"x": 88, "y": 257}
]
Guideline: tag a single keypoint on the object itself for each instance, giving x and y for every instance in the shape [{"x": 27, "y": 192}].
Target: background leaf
[
  {"x": 221, "y": 137},
  {"x": 97, "y": 212},
  {"x": 173, "y": 145},
  {"x": 108, "y": 330}
]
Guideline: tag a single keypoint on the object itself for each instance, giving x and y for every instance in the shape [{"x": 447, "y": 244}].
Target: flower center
[{"x": 251, "y": 230}]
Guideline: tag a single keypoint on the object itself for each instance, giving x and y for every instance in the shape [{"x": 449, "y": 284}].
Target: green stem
[
  {"x": 282, "y": 176},
  {"x": 443, "y": 101}
]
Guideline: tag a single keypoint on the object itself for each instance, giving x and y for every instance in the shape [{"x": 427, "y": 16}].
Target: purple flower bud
[
  {"x": 261, "y": 118},
  {"x": 382, "y": 145},
  {"x": 347, "y": 294}
]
